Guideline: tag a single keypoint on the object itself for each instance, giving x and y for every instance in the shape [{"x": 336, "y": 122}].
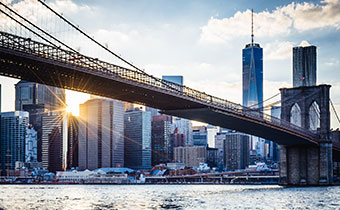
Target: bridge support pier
[
  {"x": 308, "y": 108},
  {"x": 301, "y": 165}
]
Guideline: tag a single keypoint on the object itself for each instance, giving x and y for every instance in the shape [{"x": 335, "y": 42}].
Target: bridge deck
[{"x": 37, "y": 62}]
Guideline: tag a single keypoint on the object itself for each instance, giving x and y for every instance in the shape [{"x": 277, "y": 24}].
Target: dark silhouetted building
[{"x": 160, "y": 139}]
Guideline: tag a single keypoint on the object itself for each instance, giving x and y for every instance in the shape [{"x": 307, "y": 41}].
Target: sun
[{"x": 73, "y": 99}]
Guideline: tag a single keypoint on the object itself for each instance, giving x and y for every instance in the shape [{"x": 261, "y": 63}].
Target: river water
[{"x": 167, "y": 197}]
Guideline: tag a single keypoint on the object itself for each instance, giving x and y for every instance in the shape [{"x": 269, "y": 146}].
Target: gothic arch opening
[
  {"x": 295, "y": 115},
  {"x": 314, "y": 116}
]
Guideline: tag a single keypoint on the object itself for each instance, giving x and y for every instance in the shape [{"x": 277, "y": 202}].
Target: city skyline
[{"x": 200, "y": 41}]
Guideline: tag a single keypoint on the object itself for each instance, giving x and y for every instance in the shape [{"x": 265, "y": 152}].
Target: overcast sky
[{"x": 203, "y": 40}]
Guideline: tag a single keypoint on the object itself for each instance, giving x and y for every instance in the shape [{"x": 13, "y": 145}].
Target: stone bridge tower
[{"x": 307, "y": 107}]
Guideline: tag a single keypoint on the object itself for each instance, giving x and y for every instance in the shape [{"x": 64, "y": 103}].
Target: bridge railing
[{"x": 95, "y": 65}]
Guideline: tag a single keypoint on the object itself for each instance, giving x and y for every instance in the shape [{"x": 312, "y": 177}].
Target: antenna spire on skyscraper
[{"x": 252, "y": 28}]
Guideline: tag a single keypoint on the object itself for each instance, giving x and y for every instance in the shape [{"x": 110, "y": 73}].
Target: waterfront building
[
  {"x": 101, "y": 134},
  {"x": 304, "y": 66},
  {"x": 199, "y": 135},
  {"x": 31, "y": 145},
  {"x": 274, "y": 151},
  {"x": 160, "y": 139},
  {"x": 191, "y": 156},
  {"x": 38, "y": 100},
  {"x": 177, "y": 139},
  {"x": 13, "y": 127},
  {"x": 236, "y": 150},
  {"x": 137, "y": 139}
]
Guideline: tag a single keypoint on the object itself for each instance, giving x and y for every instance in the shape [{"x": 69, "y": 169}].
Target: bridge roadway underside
[{"x": 50, "y": 72}]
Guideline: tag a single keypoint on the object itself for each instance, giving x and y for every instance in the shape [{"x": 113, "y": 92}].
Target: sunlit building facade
[{"x": 101, "y": 134}]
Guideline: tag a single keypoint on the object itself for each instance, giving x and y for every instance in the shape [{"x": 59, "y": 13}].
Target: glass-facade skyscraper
[
  {"x": 252, "y": 77},
  {"x": 252, "y": 80}
]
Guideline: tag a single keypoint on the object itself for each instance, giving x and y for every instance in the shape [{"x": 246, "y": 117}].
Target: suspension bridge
[{"x": 38, "y": 48}]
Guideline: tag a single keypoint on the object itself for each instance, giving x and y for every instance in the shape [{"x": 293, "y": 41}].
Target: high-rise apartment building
[
  {"x": 137, "y": 139},
  {"x": 38, "y": 100},
  {"x": 13, "y": 127},
  {"x": 101, "y": 134},
  {"x": 236, "y": 150},
  {"x": 160, "y": 139},
  {"x": 304, "y": 66}
]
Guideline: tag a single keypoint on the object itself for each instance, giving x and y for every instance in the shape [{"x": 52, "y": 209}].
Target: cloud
[
  {"x": 333, "y": 62},
  {"x": 67, "y": 6},
  {"x": 281, "y": 21},
  {"x": 278, "y": 50}
]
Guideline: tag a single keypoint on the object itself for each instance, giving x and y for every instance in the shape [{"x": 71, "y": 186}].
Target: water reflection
[{"x": 166, "y": 197}]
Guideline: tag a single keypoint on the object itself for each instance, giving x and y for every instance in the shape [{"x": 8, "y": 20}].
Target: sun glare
[{"x": 73, "y": 99}]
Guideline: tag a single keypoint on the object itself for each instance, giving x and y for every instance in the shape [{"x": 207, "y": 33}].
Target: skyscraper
[
  {"x": 160, "y": 139},
  {"x": 73, "y": 141},
  {"x": 101, "y": 134},
  {"x": 252, "y": 76},
  {"x": 38, "y": 100},
  {"x": 304, "y": 66},
  {"x": 12, "y": 139},
  {"x": 54, "y": 141},
  {"x": 35, "y": 93},
  {"x": 137, "y": 139},
  {"x": 236, "y": 150}
]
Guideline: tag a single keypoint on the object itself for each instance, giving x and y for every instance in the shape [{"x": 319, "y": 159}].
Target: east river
[{"x": 167, "y": 197}]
